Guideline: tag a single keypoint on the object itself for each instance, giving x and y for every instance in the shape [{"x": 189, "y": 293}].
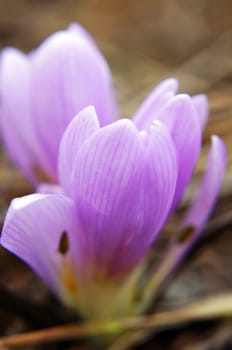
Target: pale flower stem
[
  {"x": 160, "y": 277},
  {"x": 171, "y": 260},
  {"x": 219, "y": 306},
  {"x": 130, "y": 338}
]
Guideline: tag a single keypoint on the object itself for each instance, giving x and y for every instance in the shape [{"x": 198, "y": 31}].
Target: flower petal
[
  {"x": 78, "y": 131},
  {"x": 210, "y": 186},
  {"x": 194, "y": 220},
  {"x": 68, "y": 74},
  {"x": 160, "y": 175},
  {"x": 77, "y": 29},
  {"x": 180, "y": 117},
  {"x": 16, "y": 126},
  {"x": 202, "y": 107},
  {"x": 202, "y": 204},
  {"x": 32, "y": 231},
  {"x": 123, "y": 190},
  {"x": 156, "y": 99},
  {"x": 47, "y": 188}
]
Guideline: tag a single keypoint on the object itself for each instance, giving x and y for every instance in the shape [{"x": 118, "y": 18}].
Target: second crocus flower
[{"x": 42, "y": 91}]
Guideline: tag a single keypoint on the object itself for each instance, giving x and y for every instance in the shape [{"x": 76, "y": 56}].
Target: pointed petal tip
[
  {"x": 63, "y": 40},
  {"x": 10, "y": 51},
  {"x": 77, "y": 28},
  {"x": 87, "y": 115},
  {"x": 184, "y": 102},
  {"x": 172, "y": 82},
  {"x": 73, "y": 26},
  {"x": 167, "y": 85},
  {"x": 201, "y": 105},
  {"x": 217, "y": 140},
  {"x": 201, "y": 98},
  {"x": 182, "y": 98},
  {"x": 81, "y": 127},
  {"x": 16, "y": 205},
  {"x": 22, "y": 202},
  {"x": 90, "y": 109},
  {"x": 154, "y": 102},
  {"x": 8, "y": 56},
  {"x": 47, "y": 188},
  {"x": 219, "y": 146}
]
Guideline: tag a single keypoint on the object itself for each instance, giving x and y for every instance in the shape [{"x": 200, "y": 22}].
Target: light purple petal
[
  {"x": 16, "y": 125},
  {"x": 202, "y": 107},
  {"x": 180, "y": 117},
  {"x": 78, "y": 131},
  {"x": 204, "y": 201},
  {"x": 77, "y": 29},
  {"x": 68, "y": 74},
  {"x": 32, "y": 231},
  {"x": 196, "y": 217},
  {"x": 123, "y": 184},
  {"x": 159, "y": 181},
  {"x": 210, "y": 186},
  {"x": 47, "y": 188},
  {"x": 156, "y": 99}
]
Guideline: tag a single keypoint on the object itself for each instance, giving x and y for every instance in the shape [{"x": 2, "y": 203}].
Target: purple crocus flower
[
  {"x": 120, "y": 183},
  {"x": 42, "y": 91}
]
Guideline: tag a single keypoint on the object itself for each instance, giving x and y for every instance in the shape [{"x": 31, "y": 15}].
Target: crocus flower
[
  {"x": 42, "y": 91},
  {"x": 120, "y": 183}
]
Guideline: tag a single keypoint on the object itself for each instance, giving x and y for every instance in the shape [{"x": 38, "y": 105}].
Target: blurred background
[{"x": 144, "y": 42}]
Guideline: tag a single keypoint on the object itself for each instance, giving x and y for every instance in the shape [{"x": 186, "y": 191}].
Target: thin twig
[
  {"x": 219, "y": 306},
  {"x": 128, "y": 339}
]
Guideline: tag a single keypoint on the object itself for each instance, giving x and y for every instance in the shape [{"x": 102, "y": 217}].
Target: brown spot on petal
[
  {"x": 186, "y": 234},
  {"x": 63, "y": 243}
]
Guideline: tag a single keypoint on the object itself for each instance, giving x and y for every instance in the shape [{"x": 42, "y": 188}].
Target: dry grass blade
[
  {"x": 219, "y": 306},
  {"x": 127, "y": 340},
  {"x": 201, "y": 310}
]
